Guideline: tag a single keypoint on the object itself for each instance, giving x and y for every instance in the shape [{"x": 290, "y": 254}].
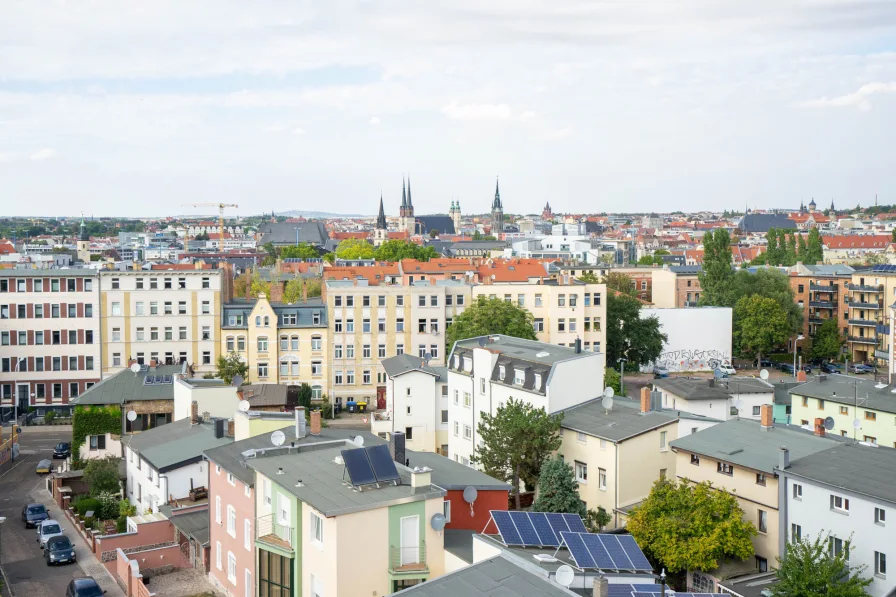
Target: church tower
[
  {"x": 83, "y": 242},
  {"x": 455, "y": 215},
  {"x": 406, "y": 213},
  {"x": 497, "y": 213},
  {"x": 381, "y": 232}
]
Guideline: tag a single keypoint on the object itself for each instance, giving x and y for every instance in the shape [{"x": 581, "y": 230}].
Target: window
[
  {"x": 231, "y": 521},
  {"x": 275, "y": 574},
  {"x": 231, "y": 567},
  {"x": 762, "y": 522},
  {"x": 116, "y": 309},
  {"x": 835, "y": 546},
  {"x": 581, "y": 437},
  {"x": 870, "y": 415},
  {"x": 561, "y": 324},
  {"x": 206, "y": 283},
  {"x": 663, "y": 445},
  {"x": 456, "y": 428},
  {"x": 182, "y": 307},
  {"x": 381, "y": 351},
  {"x": 262, "y": 344},
  {"x": 761, "y": 563},
  {"x": 581, "y": 472},
  {"x": 444, "y": 417},
  {"x": 519, "y": 377},
  {"x": 602, "y": 479},
  {"x": 880, "y": 516},
  {"x": 365, "y": 379},
  {"x": 206, "y": 307},
  {"x": 266, "y": 492},
  {"x": 760, "y": 479},
  {"x": 561, "y": 300},
  {"x": 97, "y": 442},
  {"x": 217, "y": 508},
  {"x": 138, "y": 308},
  {"x": 230, "y": 345},
  {"x": 116, "y": 284},
  {"x": 262, "y": 370},
  {"x": 840, "y": 504},
  {"x": 349, "y": 325},
  {"x": 365, "y": 351},
  {"x": 468, "y": 432},
  {"x": 154, "y": 308},
  {"x": 467, "y": 399},
  {"x": 316, "y": 529},
  {"x": 315, "y": 368},
  {"x": 880, "y": 564},
  {"x": 241, "y": 343},
  {"x": 218, "y": 554},
  {"x": 820, "y": 404},
  {"x": 725, "y": 468},
  {"x": 797, "y": 491},
  {"x": 337, "y": 325},
  {"x": 844, "y": 410},
  {"x": 796, "y": 533}
]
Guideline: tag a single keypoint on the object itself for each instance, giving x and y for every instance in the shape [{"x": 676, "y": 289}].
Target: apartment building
[
  {"x": 823, "y": 292},
  {"x": 676, "y": 286},
  {"x": 166, "y": 316},
  {"x": 735, "y": 397},
  {"x": 838, "y": 492},
  {"x": 49, "y": 337},
  {"x": 741, "y": 457},
  {"x": 484, "y": 373},
  {"x": 283, "y": 343},
  {"x": 871, "y": 292}
]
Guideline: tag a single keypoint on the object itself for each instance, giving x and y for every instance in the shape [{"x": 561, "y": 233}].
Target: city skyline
[{"x": 591, "y": 106}]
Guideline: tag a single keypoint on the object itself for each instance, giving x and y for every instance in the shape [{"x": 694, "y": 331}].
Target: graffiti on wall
[{"x": 692, "y": 360}]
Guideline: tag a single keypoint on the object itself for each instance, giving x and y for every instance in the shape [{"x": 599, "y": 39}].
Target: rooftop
[
  {"x": 701, "y": 388},
  {"x": 405, "y": 363},
  {"x": 863, "y": 469},
  {"x": 451, "y": 475},
  {"x": 846, "y": 389},
  {"x": 176, "y": 444},
  {"x": 265, "y": 394},
  {"x": 623, "y": 421},
  {"x": 527, "y": 350},
  {"x": 746, "y": 443},
  {"x": 127, "y": 386}
]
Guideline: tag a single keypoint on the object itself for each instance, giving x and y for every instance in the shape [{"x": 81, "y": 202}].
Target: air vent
[
  {"x": 543, "y": 557},
  {"x": 543, "y": 354}
]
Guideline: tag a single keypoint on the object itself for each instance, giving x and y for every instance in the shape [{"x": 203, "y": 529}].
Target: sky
[{"x": 130, "y": 108}]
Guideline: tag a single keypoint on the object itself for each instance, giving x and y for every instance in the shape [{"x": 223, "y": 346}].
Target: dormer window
[
  {"x": 501, "y": 373},
  {"x": 456, "y": 361},
  {"x": 468, "y": 364},
  {"x": 538, "y": 381},
  {"x": 519, "y": 377}
]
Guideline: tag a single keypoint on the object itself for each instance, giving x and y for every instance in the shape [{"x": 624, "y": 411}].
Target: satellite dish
[
  {"x": 470, "y": 494},
  {"x": 739, "y": 404},
  {"x": 829, "y": 423},
  {"x": 135, "y": 368},
  {"x": 244, "y": 406},
  {"x": 237, "y": 381},
  {"x": 607, "y": 402},
  {"x": 358, "y": 440},
  {"x": 609, "y": 392},
  {"x": 857, "y": 424},
  {"x": 565, "y": 575},
  {"x": 132, "y": 416},
  {"x": 427, "y": 357},
  {"x": 278, "y": 437},
  {"x": 437, "y": 522},
  {"x": 763, "y": 374}
]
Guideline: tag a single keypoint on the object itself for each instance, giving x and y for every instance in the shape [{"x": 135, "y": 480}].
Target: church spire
[
  {"x": 496, "y": 204},
  {"x": 404, "y": 195},
  {"x": 381, "y": 217},
  {"x": 82, "y": 229},
  {"x": 410, "y": 203}
]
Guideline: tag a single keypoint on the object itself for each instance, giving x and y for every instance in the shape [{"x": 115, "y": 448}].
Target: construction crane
[{"x": 220, "y": 207}]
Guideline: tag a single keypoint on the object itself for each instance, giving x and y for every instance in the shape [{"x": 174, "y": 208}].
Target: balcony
[
  {"x": 858, "y": 305},
  {"x": 863, "y": 340},
  {"x": 270, "y": 531},
  {"x": 690, "y": 303},
  {"x": 863, "y": 322},
  {"x": 818, "y": 320},
  {"x": 866, "y": 287},
  {"x": 822, "y": 304},
  {"x": 883, "y": 328},
  {"x": 882, "y": 355},
  {"x": 823, "y": 288},
  {"x": 408, "y": 559}
]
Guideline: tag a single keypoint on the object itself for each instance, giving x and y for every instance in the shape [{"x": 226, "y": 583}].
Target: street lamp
[
  {"x": 622, "y": 363},
  {"x": 798, "y": 338},
  {"x": 663, "y": 581}
]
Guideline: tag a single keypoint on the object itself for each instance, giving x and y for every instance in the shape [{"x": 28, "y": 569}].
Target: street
[{"x": 22, "y": 559}]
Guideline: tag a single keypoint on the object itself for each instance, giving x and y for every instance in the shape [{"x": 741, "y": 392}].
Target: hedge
[{"x": 92, "y": 420}]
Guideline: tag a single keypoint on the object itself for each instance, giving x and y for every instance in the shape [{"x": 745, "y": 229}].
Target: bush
[
  {"x": 121, "y": 524},
  {"x": 109, "y": 506},
  {"x": 86, "y": 504},
  {"x": 48, "y": 418}
]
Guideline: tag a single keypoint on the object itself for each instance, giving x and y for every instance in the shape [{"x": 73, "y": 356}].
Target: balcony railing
[
  {"x": 818, "y": 319},
  {"x": 858, "y": 305},
  {"x": 883, "y": 329},
  {"x": 408, "y": 559},
  {"x": 271, "y": 531},
  {"x": 822, "y": 304},
  {"x": 866, "y": 287},
  {"x": 863, "y": 339},
  {"x": 863, "y": 322},
  {"x": 823, "y": 288},
  {"x": 690, "y": 303}
]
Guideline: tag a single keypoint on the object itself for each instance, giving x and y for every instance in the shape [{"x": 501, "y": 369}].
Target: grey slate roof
[
  {"x": 495, "y": 577},
  {"x": 745, "y": 443},
  {"x": 191, "y": 524},
  {"x": 764, "y": 222},
  {"x": 622, "y": 422},
  {"x": 284, "y": 233},
  {"x": 304, "y": 312},
  {"x": 863, "y": 469},
  {"x": 322, "y": 481},
  {"x": 176, "y": 444},
  {"x": 126, "y": 386},
  {"x": 265, "y": 394},
  {"x": 527, "y": 350},
  {"x": 405, "y": 363},
  {"x": 691, "y": 389},
  {"x": 846, "y": 389},
  {"x": 444, "y": 224},
  {"x": 686, "y": 269},
  {"x": 452, "y": 475}
]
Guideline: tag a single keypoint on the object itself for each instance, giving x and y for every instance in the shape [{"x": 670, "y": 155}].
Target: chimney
[
  {"x": 645, "y": 399},
  {"x": 219, "y": 428},
  {"x": 276, "y": 292},
  {"x": 578, "y": 345},
  {"x": 420, "y": 477},
  {"x": 230, "y": 431},
  {"x": 396, "y": 446},
  {"x": 783, "y": 458},
  {"x": 194, "y": 413},
  {"x": 131, "y": 362},
  {"x": 656, "y": 400},
  {"x": 153, "y": 363},
  {"x": 600, "y": 587},
  {"x": 305, "y": 292},
  {"x": 300, "y": 422},
  {"x": 712, "y": 382},
  {"x": 315, "y": 422},
  {"x": 766, "y": 416},
  {"x": 819, "y": 427},
  {"x": 801, "y": 375}
]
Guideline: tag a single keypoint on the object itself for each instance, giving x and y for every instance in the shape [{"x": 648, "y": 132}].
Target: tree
[
  {"x": 629, "y": 335},
  {"x": 620, "y": 282},
  {"x": 596, "y": 520},
  {"x": 254, "y": 282},
  {"x": 515, "y": 441},
  {"x": 330, "y": 258},
  {"x": 292, "y": 290},
  {"x": 202, "y": 236},
  {"x": 808, "y": 569},
  {"x": 790, "y": 252},
  {"x": 491, "y": 316},
  {"x": 588, "y": 278},
  {"x": 687, "y": 526},
  {"x": 558, "y": 490},
  {"x": 101, "y": 475},
  {"x": 612, "y": 380},
  {"x": 433, "y": 233},
  {"x": 772, "y": 253},
  {"x": 300, "y": 251},
  {"x": 305, "y": 394},
  {"x": 893, "y": 236},
  {"x": 716, "y": 275},
  {"x": 802, "y": 254},
  {"x": 828, "y": 341},
  {"x": 354, "y": 248},
  {"x": 645, "y": 260},
  {"x": 230, "y": 366},
  {"x": 396, "y": 250},
  {"x": 760, "y": 324},
  {"x": 814, "y": 247},
  {"x": 770, "y": 283},
  {"x": 477, "y": 235}
]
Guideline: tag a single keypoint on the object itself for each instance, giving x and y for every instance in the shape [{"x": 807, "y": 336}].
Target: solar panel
[
  {"x": 677, "y": 594},
  {"x": 358, "y": 467},
  {"x": 382, "y": 464},
  {"x": 166, "y": 379},
  {"x": 598, "y": 552},
  {"x": 557, "y": 523},
  {"x": 627, "y": 590},
  {"x": 545, "y": 533},
  {"x": 525, "y": 528},
  {"x": 578, "y": 550},
  {"x": 509, "y": 534},
  {"x": 149, "y": 380},
  {"x": 574, "y": 521},
  {"x": 616, "y": 552},
  {"x": 634, "y": 552}
]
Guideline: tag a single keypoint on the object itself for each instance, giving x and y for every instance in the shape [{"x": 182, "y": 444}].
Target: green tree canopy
[
  {"x": 491, "y": 316},
  {"x": 686, "y": 526},
  {"x": 770, "y": 283},
  {"x": 828, "y": 341},
  {"x": 396, "y": 250},
  {"x": 716, "y": 275},
  {"x": 516, "y": 441},
  {"x": 230, "y": 366},
  {"x": 807, "y": 569},
  {"x": 294, "y": 290},
  {"x": 558, "y": 490},
  {"x": 638, "y": 339},
  {"x": 760, "y": 324},
  {"x": 773, "y": 254},
  {"x": 354, "y": 248},
  {"x": 101, "y": 475},
  {"x": 620, "y": 282},
  {"x": 300, "y": 251},
  {"x": 588, "y": 277}
]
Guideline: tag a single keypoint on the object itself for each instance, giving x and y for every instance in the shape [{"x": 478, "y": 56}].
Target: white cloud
[
  {"x": 858, "y": 98},
  {"x": 43, "y": 154},
  {"x": 298, "y": 131},
  {"x": 484, "y": 112},
  {"x": 374, "y": 121},
  {"x": 5, "y": 157}
]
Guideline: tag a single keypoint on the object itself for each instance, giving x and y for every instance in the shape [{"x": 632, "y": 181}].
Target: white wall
[
  {"x": 218, "y": 401},
  {"x": 113, "y": 448},
  {"x": 420, "y": 392},
  {"x": 698, "y": 337}
]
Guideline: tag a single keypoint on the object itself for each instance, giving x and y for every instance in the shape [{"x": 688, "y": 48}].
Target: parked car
[
  {"x": 660, "y": 372},
  {"x": 44, "y": 467},
  {"x": 726, "y": 368},
  {"x": 831, "y": 368},
  {"x": 47, "y": 529},
  {"x": 860, "y": 368},
  {"x": 763, "y": 363},
  {"x": 34, "y": 514},
  {"x": 85, "y": 586},
  {"x": 787, "y": 368},
  {"x": 62, "y": 450},
  {"x": 807, "y": 368},
  {"x": 59, "y": 550}
]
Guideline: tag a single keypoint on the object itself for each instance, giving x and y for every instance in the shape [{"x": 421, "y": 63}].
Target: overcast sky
[{"x": 134, "y": 108}]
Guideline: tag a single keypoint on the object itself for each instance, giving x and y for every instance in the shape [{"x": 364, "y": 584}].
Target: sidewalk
[{"x": 86, "y": 559}]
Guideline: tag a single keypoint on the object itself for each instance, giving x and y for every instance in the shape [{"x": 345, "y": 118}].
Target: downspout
[{"x": 616, "y": 487}]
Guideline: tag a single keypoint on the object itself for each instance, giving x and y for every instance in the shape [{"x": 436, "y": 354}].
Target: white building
[
  {"x": 212, "y": 396},
  {"x": 720, "y": 399},
  {"x": 165, "y": 463},
  {"x": 416, "y": 403},
  {"x": 847, "y": 492},
  {"x": 698, "y": 339},
  {"x": 483, "y": 377}
]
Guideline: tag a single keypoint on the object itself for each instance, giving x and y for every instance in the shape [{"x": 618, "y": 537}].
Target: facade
[
  {"x": 282, "y": 343},
  {"x": 49, "y": 336},
  {"x": 870, "y": 294},
  {"x": 838, "y": 492},
  {"x": 483, "y": 377},
  {"x": 732, "y": 398},
  {"x": 823, "y": 291},
  {"x": 699, "y": 339},
  {"x": 163, "y": 316},
  {"x": 676, "y": 286}
]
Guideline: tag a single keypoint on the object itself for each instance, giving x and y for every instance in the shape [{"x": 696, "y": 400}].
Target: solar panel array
[
  {"x": 535, "y": 529},
  {"x": 606, "y": 552},
  {"x": 885, "y": 268},
  {"x": 677, "y": 594},
  {"x": 627, "y": 590},
  {"x": 366, "y": 466}
]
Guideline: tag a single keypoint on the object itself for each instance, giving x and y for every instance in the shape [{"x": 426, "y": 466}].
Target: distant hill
[{"x": 318, "y": 214}]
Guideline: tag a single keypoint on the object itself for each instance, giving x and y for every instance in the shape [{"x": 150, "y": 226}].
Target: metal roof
[
  {"x": 451, "y": 475},
  {"x": 50, "y": 273},
  {"x": 846, "y": 389},
  {"x": 620, "y": 423},
  {"x": 746, "y": 443},
  {"x": 692, "y": 389},
  {"x": 405, "y": 363},
  {"x": 863, "y": 469},
  {"x": 176, "y": 444},
  {"x": 304, "y": 312},
  {"x": 191, "y": 524},
  {"x": 127, "y": 386},
  {"x": 527, "y": 350}
]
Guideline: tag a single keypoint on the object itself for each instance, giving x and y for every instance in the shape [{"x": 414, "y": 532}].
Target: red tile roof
[{"x": 856, "y": 241}]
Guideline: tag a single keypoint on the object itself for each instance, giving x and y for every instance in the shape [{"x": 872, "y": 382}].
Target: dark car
[
  {"x": 59, "y": 550},
  {"x": 807, "y": 368},
  {"x": 764, "y": 363},
  {"x": 34, "y": 514},
  {"x": 84, "y": 587},
  {"x": 62, "y": 450},
  {"x": 831, "y": 368},
  {"x": 787, "y": 368}
]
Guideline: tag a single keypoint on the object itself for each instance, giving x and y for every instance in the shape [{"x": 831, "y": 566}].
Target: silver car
[{"x": 47, "y": 529}]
